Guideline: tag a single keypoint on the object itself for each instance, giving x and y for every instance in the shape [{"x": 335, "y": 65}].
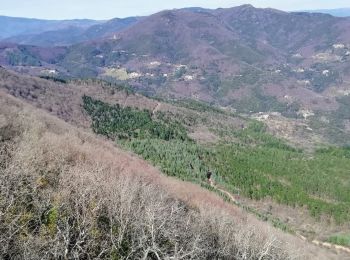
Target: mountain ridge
[
  {"x": 246, "y": 59},
  {"x": 66, "y": 33}
]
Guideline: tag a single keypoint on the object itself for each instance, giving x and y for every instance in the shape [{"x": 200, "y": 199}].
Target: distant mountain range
[
  {"x": 340, "y": 12},
  {"x": 67, "y": 32},
  {"x": 248, "y": 59},
  {"x": 58, "y": 33},
  {"x": 13, "y": 26}
]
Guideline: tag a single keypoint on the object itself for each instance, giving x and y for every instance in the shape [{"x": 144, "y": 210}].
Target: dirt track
[
  {"x": 315, "y": 241},
  {"x": 156, "y": 108},
  {"x": 232, "y": 198}
]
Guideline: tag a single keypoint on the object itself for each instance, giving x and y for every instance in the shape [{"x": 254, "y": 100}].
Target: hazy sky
[{"x": 105, "y": 9}]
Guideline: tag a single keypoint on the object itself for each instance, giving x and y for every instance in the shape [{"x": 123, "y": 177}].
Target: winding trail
[
  {"x": 232, "y": 198},
  {"x": 124, "y": 103},
  {"x": 156, "y": 108},
  {"x": 315, "y": 242}
]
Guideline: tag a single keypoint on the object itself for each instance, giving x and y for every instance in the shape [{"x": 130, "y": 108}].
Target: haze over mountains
[
  {"x": 58, "y": 33},
  {"x": 13, "y": 26},
  {"x": 27, "y": 30}
]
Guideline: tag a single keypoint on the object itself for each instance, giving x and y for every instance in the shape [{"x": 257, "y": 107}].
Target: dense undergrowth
[
  {"x": 257, "y": 163},
  {"x": 63, "y": 195},
  {"x": 115, "y": 121}
]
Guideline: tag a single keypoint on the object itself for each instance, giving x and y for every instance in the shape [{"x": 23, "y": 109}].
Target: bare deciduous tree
[{"x": 58, "y": 201}]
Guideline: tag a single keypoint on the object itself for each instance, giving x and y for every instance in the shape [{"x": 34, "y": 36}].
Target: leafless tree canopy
[{"x": 59, "y": 201}]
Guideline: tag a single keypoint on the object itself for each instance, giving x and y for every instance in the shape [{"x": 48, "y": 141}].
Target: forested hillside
[
  {"x": 257, "y": 163},
  {"x": 256, "y": 62},
  {"x": 67, "y": 194}
]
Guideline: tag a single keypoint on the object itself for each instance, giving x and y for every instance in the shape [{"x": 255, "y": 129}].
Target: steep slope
[
  {"x": 88, "y": 198},
  {"x": 66, "y": 100},
  {"x": 185, "y": 139}
]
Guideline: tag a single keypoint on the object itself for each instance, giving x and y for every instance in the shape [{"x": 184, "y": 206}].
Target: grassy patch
[{"x": 343, "y": 240}]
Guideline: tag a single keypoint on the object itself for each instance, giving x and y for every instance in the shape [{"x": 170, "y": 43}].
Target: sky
[{"x": 106, "y": 9}]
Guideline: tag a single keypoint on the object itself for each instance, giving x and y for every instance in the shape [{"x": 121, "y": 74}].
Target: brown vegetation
[
  {"x": 66, "y": 194},
  {"x": 65, "y": 101}
]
